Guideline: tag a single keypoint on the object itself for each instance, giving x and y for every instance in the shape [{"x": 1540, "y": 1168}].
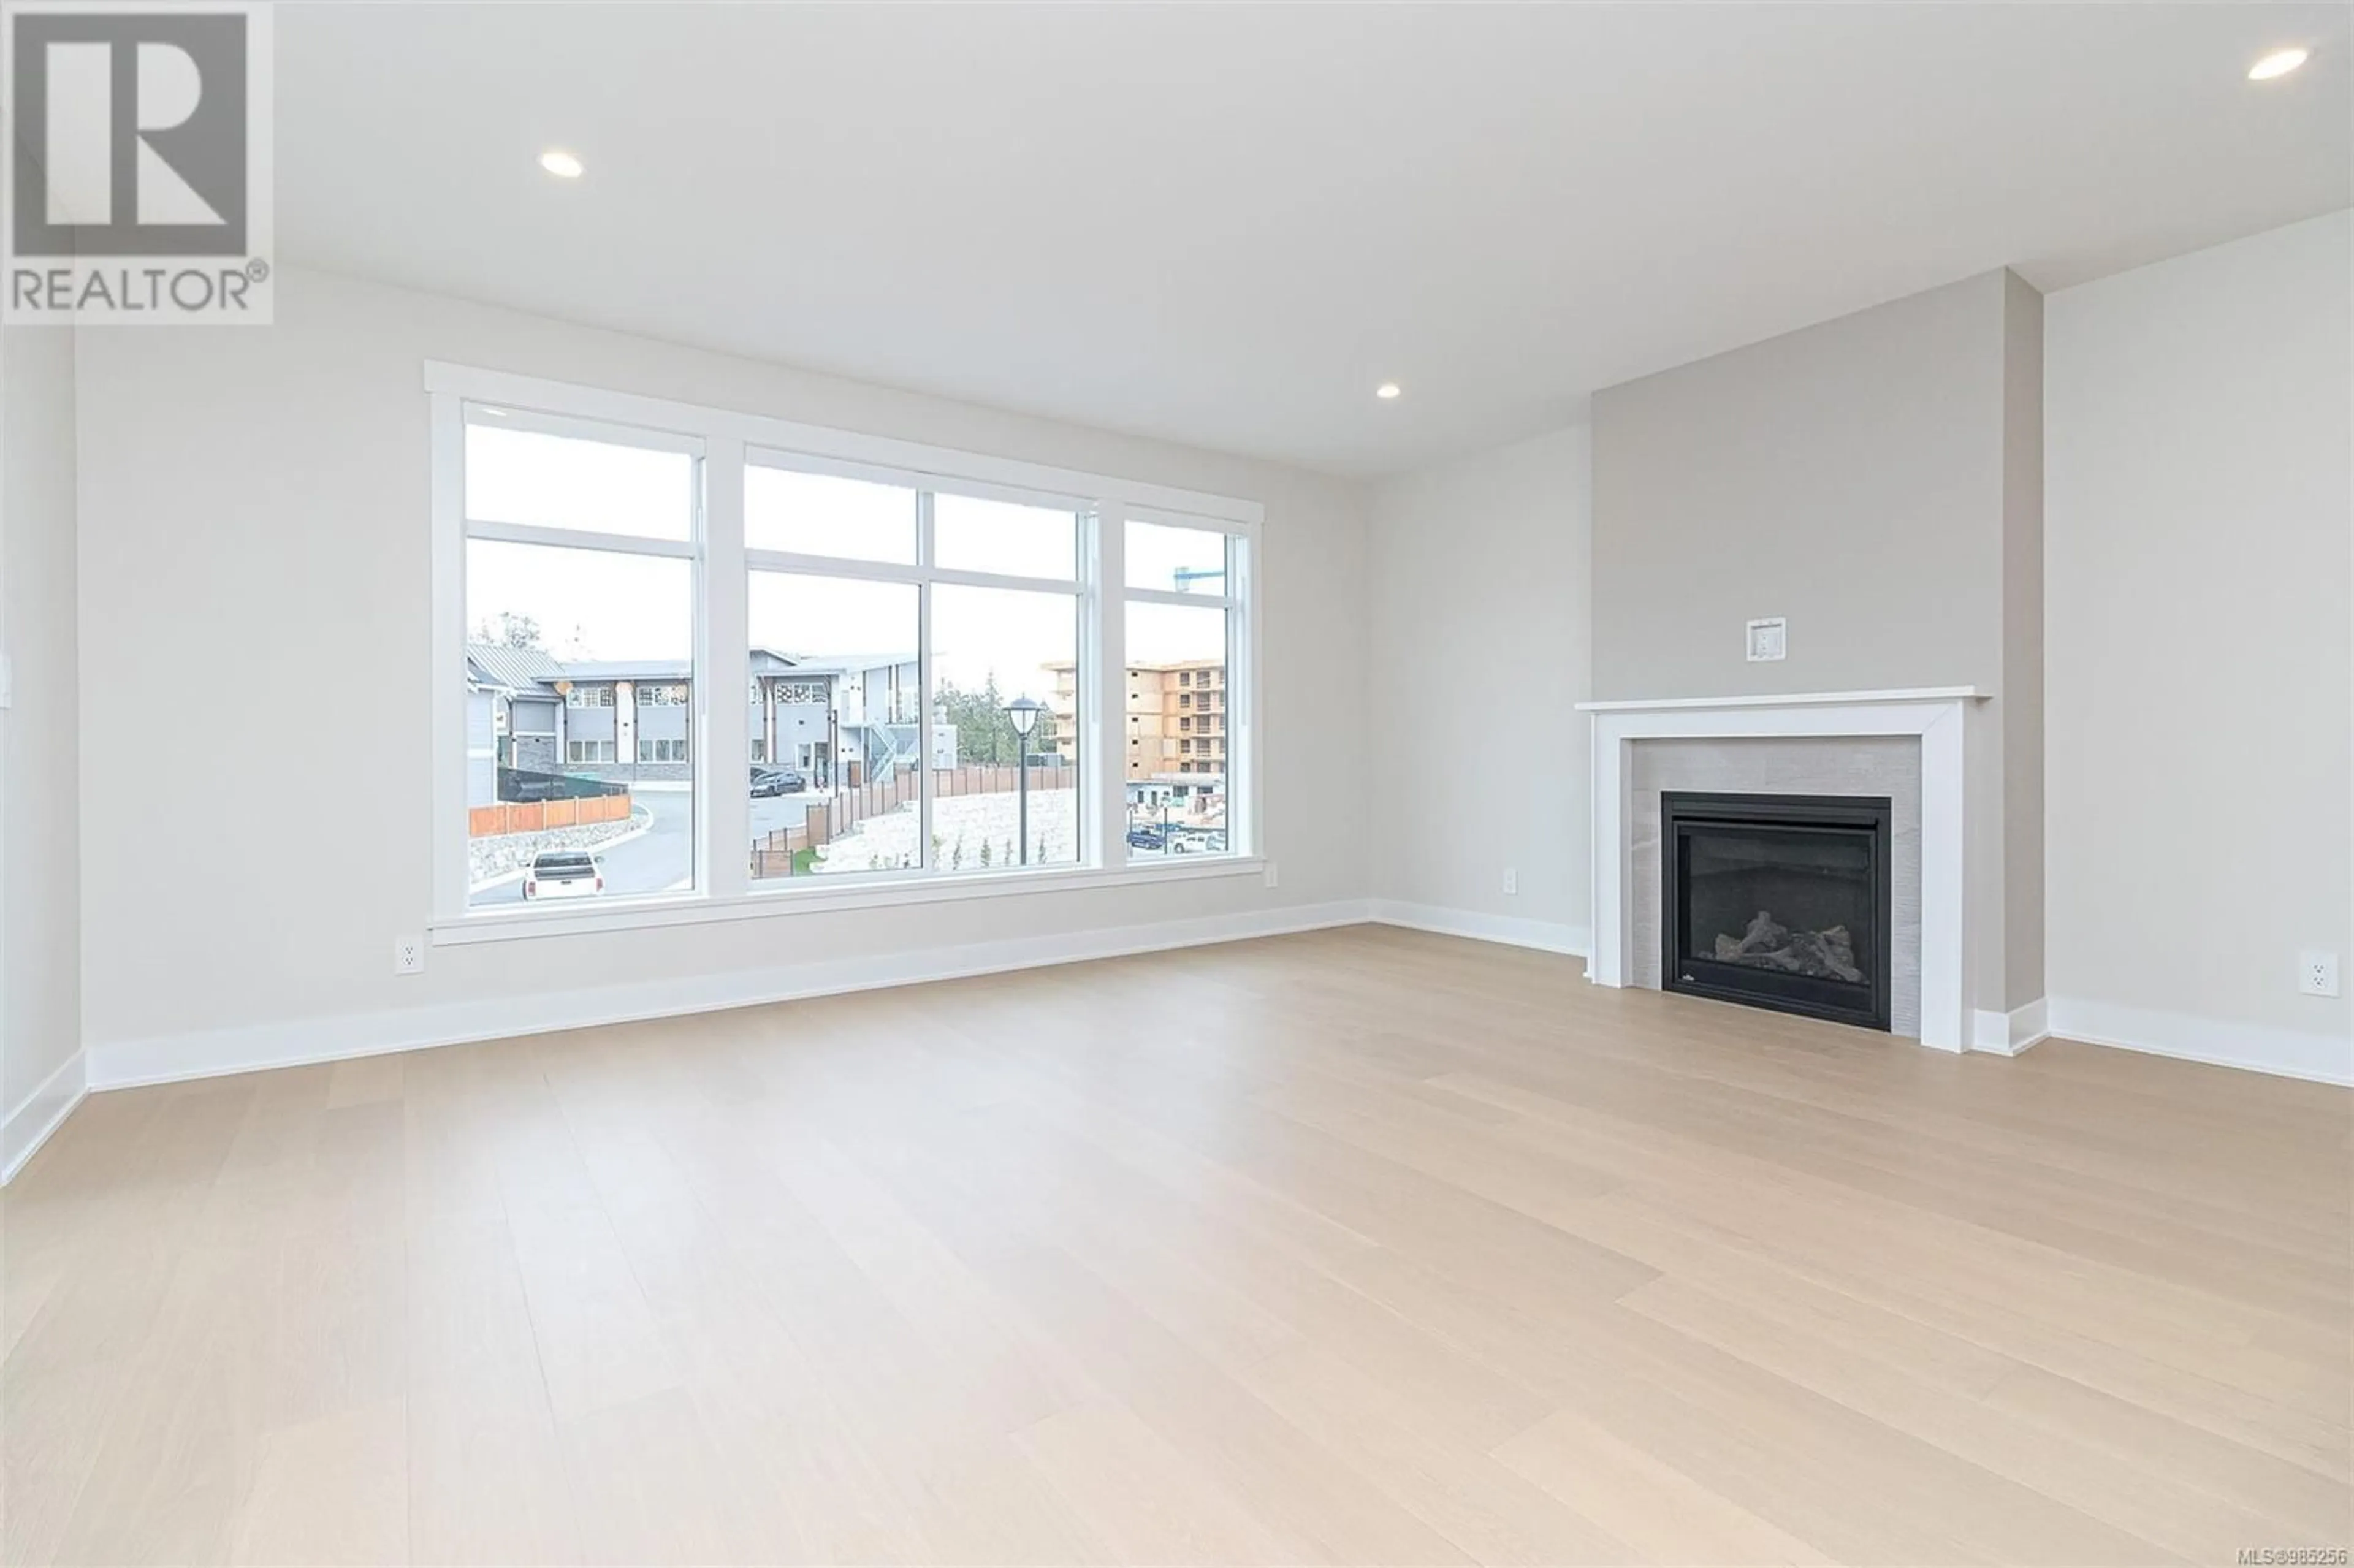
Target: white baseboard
[
  {"x": 2259, "y": 1048},
  {"x": 213, "y": 1053},
  {"x": 40, "y": 1114},
  {"x": 2008, "y": 1033},
  {"x": 1549, "y": 937}
]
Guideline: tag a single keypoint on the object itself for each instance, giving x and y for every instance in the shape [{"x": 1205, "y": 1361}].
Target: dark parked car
[
  {"x": 772, "y": 782},
  {"x": 1150, "y": 838}
]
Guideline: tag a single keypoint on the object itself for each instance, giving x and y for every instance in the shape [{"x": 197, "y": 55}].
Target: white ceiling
[{"x": 1222, "y": 225}]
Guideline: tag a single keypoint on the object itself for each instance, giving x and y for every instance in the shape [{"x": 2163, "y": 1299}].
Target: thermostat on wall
[{"x": 1768, "y": 638}]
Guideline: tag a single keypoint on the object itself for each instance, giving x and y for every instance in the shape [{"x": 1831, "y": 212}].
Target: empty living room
[{"x": 1100, "y": 783}]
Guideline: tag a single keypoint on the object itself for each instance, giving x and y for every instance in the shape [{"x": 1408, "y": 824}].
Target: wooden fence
[
  {"x": 536, "y": 816},
  {"x": 826, "y": 820}
]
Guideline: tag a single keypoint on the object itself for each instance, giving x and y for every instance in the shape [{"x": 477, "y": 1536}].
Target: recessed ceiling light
[
  {"x": 1386, "y": 389},
  {"x": 2280, "y": 62},
  {"x": 562, "y": 164}
]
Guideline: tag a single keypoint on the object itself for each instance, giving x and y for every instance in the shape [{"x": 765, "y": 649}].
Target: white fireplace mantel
[
  {"x": 1934, "y": 714},
  {"x": 1800, "y": 700}
]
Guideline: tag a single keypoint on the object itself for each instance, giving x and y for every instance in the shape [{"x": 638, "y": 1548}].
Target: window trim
[
  {"x": 508, "y": 922},
  {"x": 1143, "y": 501},
  {"x": 727, "y": 440},
  {"x": 1238, "y": 603},
  {"x": 925, "y": 578}
]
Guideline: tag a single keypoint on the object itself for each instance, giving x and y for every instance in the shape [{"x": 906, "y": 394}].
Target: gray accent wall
[
  {"x": 1877, "y": 482},
  {"x": 2021, "y": 695},
  {"x": 1848, "y": 477}
]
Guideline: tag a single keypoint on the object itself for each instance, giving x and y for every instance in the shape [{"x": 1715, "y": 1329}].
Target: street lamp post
[{"x": 1023, "y": 712}]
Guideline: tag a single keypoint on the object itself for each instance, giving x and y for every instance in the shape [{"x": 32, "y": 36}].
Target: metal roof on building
[
  {"x": 521, "y": 668},
  {"x": 517, "y": 669}
]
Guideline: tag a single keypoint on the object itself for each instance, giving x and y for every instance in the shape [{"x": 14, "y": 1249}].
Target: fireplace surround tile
[
  {"x": 1939, "y": 719},
  {"x": 1797, "y": 765}
]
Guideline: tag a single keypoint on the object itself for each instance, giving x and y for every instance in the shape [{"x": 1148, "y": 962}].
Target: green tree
[{"x": 984, "y": 733}]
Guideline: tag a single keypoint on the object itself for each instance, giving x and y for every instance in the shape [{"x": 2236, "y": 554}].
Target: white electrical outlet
[
  {"x": 2317, "y": 973},
  {"x": 408, "y": 955},
  {"x": 1768, "y": 639},
  {"x": 1511, "y": 880},
  {"x": 1270, "y": 874}
]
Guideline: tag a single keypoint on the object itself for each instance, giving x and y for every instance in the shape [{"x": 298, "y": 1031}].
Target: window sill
[{"x": 637, "y": 915}]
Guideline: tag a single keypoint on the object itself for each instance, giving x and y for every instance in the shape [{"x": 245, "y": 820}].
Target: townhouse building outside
[{"x": 840, "y": 723}]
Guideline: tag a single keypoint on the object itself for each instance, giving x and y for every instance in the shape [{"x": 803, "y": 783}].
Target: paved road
[
  {"x": 659, "y": 858},
  {"x": 782, "y": 811},
  {"x": 663, "y": 856}
]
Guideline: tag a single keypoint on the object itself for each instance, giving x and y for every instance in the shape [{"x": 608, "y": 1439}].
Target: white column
[
  {"x": 451, "y": 866},
  {"x": 1945, "y": 883},
  {"x": 1107, "y": 747},
  {"x": 723, "y": 799},
  {"x": 1613, "y": 893}
]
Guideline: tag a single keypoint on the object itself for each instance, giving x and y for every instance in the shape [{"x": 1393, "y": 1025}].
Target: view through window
[
  {"x": 1178, "y": 713},
  {"x": 836, "y": 661},
  {"x": 920, "y": 682},
  {"x": 579, "y": 657},
  {"x": 866, "y": 775}
]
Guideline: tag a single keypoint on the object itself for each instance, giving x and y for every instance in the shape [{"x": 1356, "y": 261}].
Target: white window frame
[
  {"x": 725, "y": 440},
  {"x": 1240, "y": 602},
  {"x": 902, "y": 705}
]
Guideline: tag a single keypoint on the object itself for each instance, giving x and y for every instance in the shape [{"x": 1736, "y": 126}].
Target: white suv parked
[{"x": 563, "y": 873}]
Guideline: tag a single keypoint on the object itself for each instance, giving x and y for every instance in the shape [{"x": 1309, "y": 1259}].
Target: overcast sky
[{"x": 592, "y": 604}]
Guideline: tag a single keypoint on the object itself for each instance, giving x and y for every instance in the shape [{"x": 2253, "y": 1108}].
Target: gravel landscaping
[
  {"x": 489, "y": 859},
  {"x": 972, "y": 831}
]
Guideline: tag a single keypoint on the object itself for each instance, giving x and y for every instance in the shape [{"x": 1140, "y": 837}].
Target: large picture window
[
  {"x": 1181, "y": 603},
  {"x": 847, "y": 769},
  {"x": 960, "y": 674},
  {"x": 581, "y": 550},
  {"x": 939, "y": 620}
]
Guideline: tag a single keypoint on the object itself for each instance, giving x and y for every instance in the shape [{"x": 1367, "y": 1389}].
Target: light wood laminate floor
[{"x": 1360, "y": 1246}]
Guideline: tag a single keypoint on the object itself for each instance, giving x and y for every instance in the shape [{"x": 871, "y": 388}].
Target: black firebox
[{"x": 1777, "y": 901}]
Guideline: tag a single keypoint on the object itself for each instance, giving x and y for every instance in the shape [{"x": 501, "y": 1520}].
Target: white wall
[
  {"x": 2197, "y": 513},
  {"x": 1479, "y": 627},
  {"x": 253, "y": 622},
  {"x": 255, "y": 607},
  {"x": 40, "y": 1026}
]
